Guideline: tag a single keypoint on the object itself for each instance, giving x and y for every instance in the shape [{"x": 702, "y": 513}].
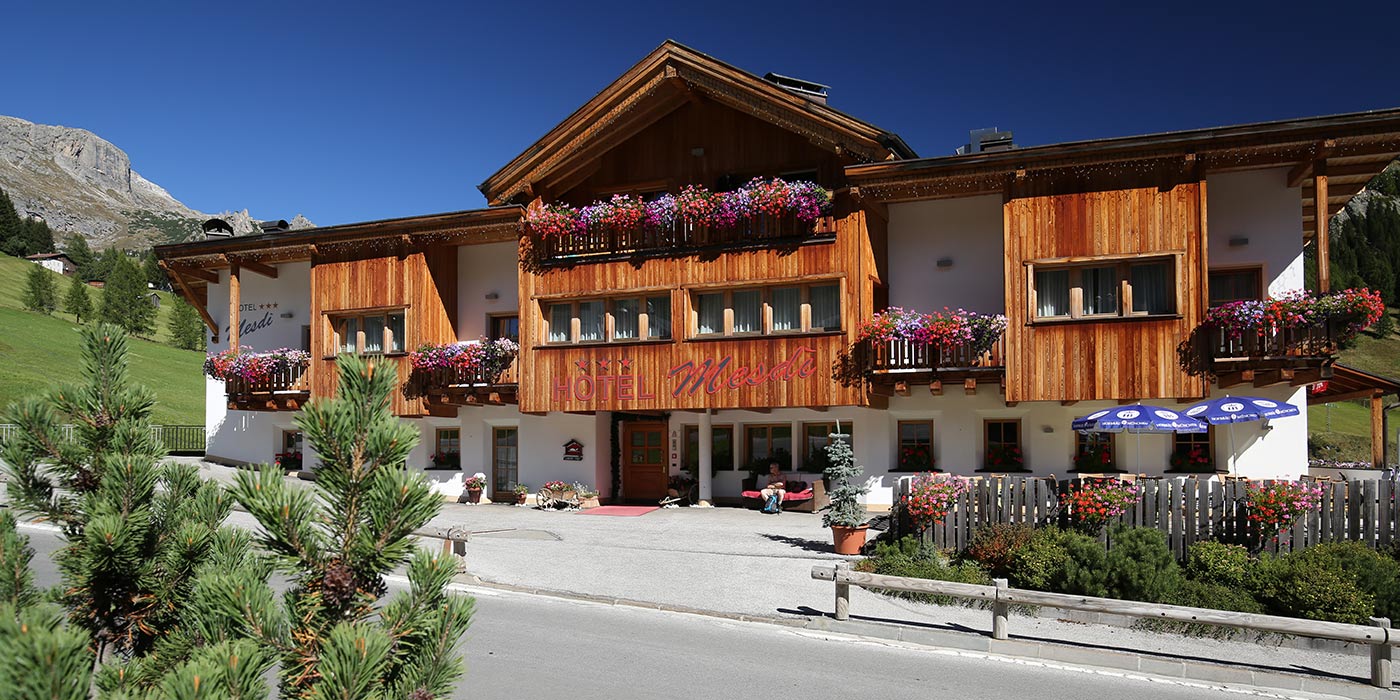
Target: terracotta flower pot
[
  {"x": 591, "y": 502},
  {"x": 520, "y": 498},
  {"x": 848, "y": 540},
  {"x": 473, "y": 495}
]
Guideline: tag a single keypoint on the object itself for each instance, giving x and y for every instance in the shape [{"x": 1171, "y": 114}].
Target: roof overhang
[
  {"x": 663, "y": 81},
  {"x": 1350, "y": 383},
  {"x": 1354, "y": 148},
  {"x": 491, "y": 225}
]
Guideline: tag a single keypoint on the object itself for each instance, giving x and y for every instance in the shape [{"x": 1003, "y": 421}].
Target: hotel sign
[{"x": 615, "y": 379}]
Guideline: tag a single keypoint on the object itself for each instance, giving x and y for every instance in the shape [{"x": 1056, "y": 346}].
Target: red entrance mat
[{"x": 624, "y": 511}]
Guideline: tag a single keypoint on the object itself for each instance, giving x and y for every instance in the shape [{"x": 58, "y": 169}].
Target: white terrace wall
[
  {"x": 967, "y": 231},
  {"x": 1257, "y": 205},
  {"x": 482, "y": 270}
]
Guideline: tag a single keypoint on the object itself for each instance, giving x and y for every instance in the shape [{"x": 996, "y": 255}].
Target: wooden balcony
[
  {"x": 893, "y": 366},
  {"x": 457, "y": 386},
  {"x": 680, "y": 239},
  {"x": 283, "y": 390},
  {"x": 1291, "y": 355}
]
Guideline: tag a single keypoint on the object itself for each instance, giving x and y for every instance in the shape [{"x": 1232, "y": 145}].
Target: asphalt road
[{"x": 541, "y": 647}]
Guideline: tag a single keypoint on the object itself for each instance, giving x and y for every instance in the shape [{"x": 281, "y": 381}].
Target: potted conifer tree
[{"x": 844, "y": 515}]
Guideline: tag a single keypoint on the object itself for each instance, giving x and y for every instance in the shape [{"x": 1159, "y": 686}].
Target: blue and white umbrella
[
  {"x": 1229, "y": 410},
  {"x": 1137, "y": 418}
]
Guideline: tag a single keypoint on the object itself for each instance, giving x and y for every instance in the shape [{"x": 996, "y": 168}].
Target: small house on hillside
[{"x": 58, "y": 262}]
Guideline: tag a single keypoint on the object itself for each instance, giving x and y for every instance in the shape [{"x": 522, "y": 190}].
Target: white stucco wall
[
  {"x": 481, "y": 270},
  {"x": 969, "y": 231},
  {"x": 1258, "y": 205}
]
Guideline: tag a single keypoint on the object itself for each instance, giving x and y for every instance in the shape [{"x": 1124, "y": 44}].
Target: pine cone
[
  {"x": 84, "y": 481},
  {"x": 420, "y": 694},
  {"x": 338, "y": 583}
]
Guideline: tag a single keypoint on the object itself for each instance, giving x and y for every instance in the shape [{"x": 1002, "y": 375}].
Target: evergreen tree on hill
[
  {"x": 76, "y": 300},
  {"x": 185, "y": 327},
  {"x": 125, "y": 300},
  {"x": 12, "y": 228},
  {"x": 106, "y": 262},
  {"x": 40, "y": 292},
  {"x": 77, "y": 249},
  {"x": 38, "y": 237}
]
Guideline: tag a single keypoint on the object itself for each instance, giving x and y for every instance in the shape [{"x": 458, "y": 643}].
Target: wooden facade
[
  {"x": 1118, "y": 358},
  {"x": 688, "y": 373},
  {"x": 422, "y": 283}
]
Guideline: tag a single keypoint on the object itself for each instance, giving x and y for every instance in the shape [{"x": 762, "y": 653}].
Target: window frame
[
  {"x": 1190, "y": 439},
  {"x": 1081, "y": 441},
  {"x": 766, "y": 309},
  {"x": 334, "y": 320},
  {"x": 749, "y": 457},
  {"x": 807, "y": 447},
  {"x": 689, "y": 430},
  {"x": 1261, "y": 286},
  {"x": 899, "y": 443},
  {"x": 438, "y": 438},
  {"x": 644, "y": 329},
  {"x": 1122, "y": 265},
  {"x": 492, "y": 327},
  {"x": 1020, "y": 443}
]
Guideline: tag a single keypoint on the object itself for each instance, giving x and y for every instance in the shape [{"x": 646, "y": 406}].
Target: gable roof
[{"x": 666, "y": 79}]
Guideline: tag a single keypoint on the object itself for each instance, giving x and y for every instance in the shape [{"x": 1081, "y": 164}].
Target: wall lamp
[
  {"x": 1239, "y": 241},
  {"x": 944, "y": 263},
  {"x": 492, "y": 296},
  {"x": 286, "y": 314}
]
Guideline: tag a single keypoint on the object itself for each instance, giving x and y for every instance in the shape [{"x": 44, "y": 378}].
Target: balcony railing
[
  {"x": 678, "y": 239},
  {"x": 1319, "y": 341},
  {"x": 465, "y": 385},
  {"x": 280, "y": 389},
  {"x": 905, "y": 356}
]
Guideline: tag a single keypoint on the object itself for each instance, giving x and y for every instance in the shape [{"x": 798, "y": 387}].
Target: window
[
  {"x": 373, "y": 333},
  {"x": 1193, "y": 452},
  {"x": 449, "y": 441},
  {"x": 815, "y": 438},
  {"x": 1236, "y": 285},
  {"x": 812, "y": 308},
  {"x": 505, "y": 328},
  {"x": 505, "y": 461},
  {"x": 609, "y": 320},
  {"x": 766, "y": 442},
  {"x": 1104, "y": 288},
  {"x": 1002, "y": 445},
  {"x": 721, "y": 448},
  {"x": 915, "y": 446},
  {"x": 1088, "y": 444}
]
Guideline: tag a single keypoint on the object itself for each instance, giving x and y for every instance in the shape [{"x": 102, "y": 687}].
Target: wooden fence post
[
  {"x": 1001, "y": 610},
  {"x": 1381, "y": 657},
  {"x": 843, "y": 591}
]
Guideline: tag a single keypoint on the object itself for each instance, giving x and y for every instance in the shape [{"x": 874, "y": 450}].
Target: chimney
[
  {"x": 986, "y": 141},
  {"x": 815, "y": 92},
  {"x": 278, "y": 226},
  {"x": 216, "y": 228}
]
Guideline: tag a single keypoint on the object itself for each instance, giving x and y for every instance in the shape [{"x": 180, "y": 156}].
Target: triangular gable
[{"x": 663, "y": 81}]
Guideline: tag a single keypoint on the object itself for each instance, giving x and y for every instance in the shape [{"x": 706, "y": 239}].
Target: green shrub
[
  {"x": 1201, "y": 594},
  {"x": 1040, "y": 564},
  {"x": 1374, "y": 573},
  {"x": 1141, "y": 567},
  {"x": 1310, "y": 587},
  {"x": 910, "y": 557},
  {"x": 1219, "y": 563},
  {"x": 1086, "y": 566},
  {"x": 995, "y": 546}
]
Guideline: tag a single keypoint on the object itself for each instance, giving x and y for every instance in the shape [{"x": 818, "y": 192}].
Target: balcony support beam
[
  {"x": 1321, "y": 217},
  {"x": 1229, "y": 379},
  {"x": 970, "y": 386},
  {"x": 901, "y": 388},
  {"x": 235, "y": 303},
  {"x": 935, "y": 387},
  {"x": 1378, "y": 431}
]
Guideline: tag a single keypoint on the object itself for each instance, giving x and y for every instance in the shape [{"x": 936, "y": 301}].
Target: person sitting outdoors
[{"x": 775, "y": 485}]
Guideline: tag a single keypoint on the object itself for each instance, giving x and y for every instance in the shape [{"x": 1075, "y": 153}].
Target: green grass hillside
[
  {"x": 1346, "y": 425},
  {"x": 38, "y": 351}
]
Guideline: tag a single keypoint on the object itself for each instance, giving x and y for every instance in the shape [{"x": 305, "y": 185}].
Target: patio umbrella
[
  {"x": 1137, "y": 418},
  {"x": 1229, "y": 410}
]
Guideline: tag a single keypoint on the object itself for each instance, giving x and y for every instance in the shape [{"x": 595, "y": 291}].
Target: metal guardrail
[
  {"x": 1378, "y": 635},
  {"x": 178, "y": 439}
]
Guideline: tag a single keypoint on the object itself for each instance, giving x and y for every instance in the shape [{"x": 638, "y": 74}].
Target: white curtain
[
  {"x": 710, "y": 314},
  {"x": 1100, "y": 290},
  {"x": 396, "y": 343},
  {"x": 349, "y": 335},
  {"x": 1052, "y": 293},
  {"x": 590, "y": 320},
  {"x": 826, "y": 307},
  {"x": 1152, "y": 289},
  {"x": 374, "y": 334},
  {"x": 748, "y": 311},
  {"x": 625, "y": 319},
  {"x": 787, "y": 309},
  {"x": 560, "y": 317},
  {"x": 659, "y": 317}
]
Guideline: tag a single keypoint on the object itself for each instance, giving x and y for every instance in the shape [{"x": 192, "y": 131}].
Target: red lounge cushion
[{"x": 789, "y": 496}]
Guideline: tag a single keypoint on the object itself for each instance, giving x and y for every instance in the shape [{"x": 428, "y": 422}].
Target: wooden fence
[
  {"x": 1187, "y": 509},
  {"x": 178, "y": 439}
]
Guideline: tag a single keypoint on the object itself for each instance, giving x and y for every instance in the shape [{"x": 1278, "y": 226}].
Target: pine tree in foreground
[
  {"x": 40, "y": 293},
  {"x": 77, "y": 302},
  {"x": 335, "y": 632},
  {"x": 139, "y": 536}
]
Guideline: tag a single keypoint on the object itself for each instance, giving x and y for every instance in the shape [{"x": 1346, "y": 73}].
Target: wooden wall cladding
[
  {"x": 760, "y": 372},
  {"x": 1113, "y": 359},
  {"x": 423, "y": 282}
]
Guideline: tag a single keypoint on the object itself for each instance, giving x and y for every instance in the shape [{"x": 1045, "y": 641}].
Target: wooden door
[
  {"x": 644, "y": 467},
  {"x": 505, "y": 464}
]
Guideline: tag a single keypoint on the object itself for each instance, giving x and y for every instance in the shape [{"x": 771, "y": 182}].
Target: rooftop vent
[
  {"x": 277, "y": 226},
  {"x": 216, "y": 228},
  {"x": 815, "y": 92},
  {"x": 987, "y": 141}
]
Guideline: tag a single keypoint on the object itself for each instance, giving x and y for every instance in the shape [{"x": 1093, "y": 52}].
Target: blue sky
[{"x": 353, "y": 111}]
